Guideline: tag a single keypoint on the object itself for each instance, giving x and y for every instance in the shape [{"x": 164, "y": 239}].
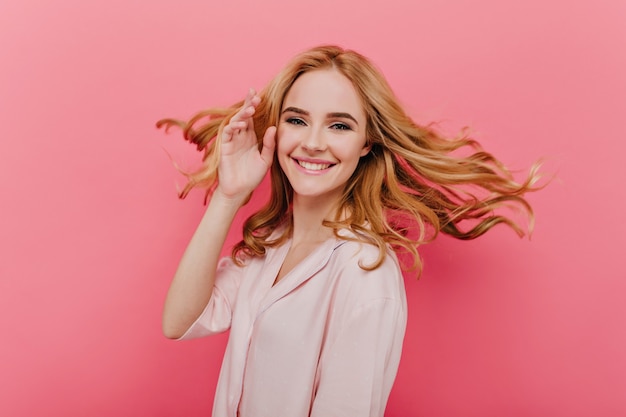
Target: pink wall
[{"x": 91, "y": 230}]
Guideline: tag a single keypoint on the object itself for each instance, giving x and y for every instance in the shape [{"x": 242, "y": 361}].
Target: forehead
[{"x": 324, "y": 91}]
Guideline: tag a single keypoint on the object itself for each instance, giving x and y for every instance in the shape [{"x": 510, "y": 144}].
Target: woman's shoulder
[
  {"x": 353, "y": 265},
  {"x": 353, "y": 247}
]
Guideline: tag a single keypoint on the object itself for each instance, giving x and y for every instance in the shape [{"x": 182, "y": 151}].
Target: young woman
[{"x": 313, "y": 295}]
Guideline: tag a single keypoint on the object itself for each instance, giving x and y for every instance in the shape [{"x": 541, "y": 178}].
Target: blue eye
[
  {"x": 340, "y": 126},
  {"x": 295, "y": 121}
]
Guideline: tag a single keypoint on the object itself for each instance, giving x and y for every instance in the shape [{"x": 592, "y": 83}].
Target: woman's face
[{"x": 321, "y": 134}]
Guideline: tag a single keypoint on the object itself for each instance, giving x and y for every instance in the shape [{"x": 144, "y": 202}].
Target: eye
[
  {"x": 340, "y": 126},
  {"x": 295, "y": 121}
]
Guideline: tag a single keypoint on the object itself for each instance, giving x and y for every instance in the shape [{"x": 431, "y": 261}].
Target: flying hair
[{"x": 413, "y": 184}]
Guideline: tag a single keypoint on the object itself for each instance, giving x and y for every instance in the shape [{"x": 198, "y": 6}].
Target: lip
[
  {"x": 300, "y": 168},
  {"x": 313, "y": 160}
]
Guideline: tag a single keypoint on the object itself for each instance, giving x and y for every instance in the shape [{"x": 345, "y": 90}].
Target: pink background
[{"x": 91, "y": 229}]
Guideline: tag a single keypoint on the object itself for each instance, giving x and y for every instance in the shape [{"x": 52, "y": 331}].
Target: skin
[{"x": 319, "y": 141}]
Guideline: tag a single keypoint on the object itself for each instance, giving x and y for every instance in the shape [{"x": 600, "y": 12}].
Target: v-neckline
[
  {"x": 278, "y": 278},
  {"x": 281, "y": 256}
]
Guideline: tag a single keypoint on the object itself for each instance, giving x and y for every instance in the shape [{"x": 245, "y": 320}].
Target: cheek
[
  {"x": 285, "y": 141},
  {"x": 352, "y": 152},
  {"x": 282, "y": 150},
  {"x": 280, "y": 146}
]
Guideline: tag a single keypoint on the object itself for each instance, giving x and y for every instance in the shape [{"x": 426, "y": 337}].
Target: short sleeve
[
  {"x": 357, "y": 373},
  {"x": 217, "y": 315}
]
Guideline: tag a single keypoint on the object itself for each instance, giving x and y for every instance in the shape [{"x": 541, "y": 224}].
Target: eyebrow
[{"x": 335, "y": 114}]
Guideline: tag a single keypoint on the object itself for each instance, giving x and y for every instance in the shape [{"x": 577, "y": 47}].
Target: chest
[
  {"x": 300, "y": 307},
  {"x": 294, "y": 256}
]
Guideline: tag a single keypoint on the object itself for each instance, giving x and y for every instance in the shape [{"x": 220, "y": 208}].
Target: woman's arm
[
  {"x": 192, "y": 285},
  {"x": 241, "y": 169}
]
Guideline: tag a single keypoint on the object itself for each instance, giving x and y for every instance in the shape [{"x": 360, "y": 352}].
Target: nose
[{"x": 314, "y": 140}]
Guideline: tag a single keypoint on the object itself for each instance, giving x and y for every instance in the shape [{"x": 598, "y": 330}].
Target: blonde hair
[{"x": 408, "y": 188}]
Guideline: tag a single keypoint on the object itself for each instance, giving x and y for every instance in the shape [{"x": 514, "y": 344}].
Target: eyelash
[
  {"x": 340, "y": 126},
  {"x": 295, "y": 121},
  {"x": 299, "y": 122}
]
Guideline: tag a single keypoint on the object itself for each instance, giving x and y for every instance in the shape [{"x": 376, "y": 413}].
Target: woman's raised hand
[{"x": 242, "y": 167}]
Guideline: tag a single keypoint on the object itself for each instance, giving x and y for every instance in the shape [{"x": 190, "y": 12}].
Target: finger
[
  {"x": 248, "y": 107},
  {"x": 250, "y": 100},
  {"x": 242, "y": 120},
  {"x": 251, "y": 93},
  {"x": 255, "y": 100},
  {"x": 245, "y": 116},
  {"x": 228, "y": 132},
  {"x": 250, "y": 119},
  {"x": 237, "y": 125},
  {"x": 232, "y": 128},
  {"x": 269, "y": 144}
]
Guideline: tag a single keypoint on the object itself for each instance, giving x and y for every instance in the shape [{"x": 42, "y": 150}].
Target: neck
[{"x": 308, "y": 215}]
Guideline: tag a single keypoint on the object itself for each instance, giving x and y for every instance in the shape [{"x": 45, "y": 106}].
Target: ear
[{"x": 366, "y": 149}]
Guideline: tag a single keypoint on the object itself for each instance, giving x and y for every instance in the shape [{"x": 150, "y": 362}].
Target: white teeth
[{"x": 312, "y": 166}]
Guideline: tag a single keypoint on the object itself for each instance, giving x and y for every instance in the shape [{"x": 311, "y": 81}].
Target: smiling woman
[{"x": 313, "y": 294}]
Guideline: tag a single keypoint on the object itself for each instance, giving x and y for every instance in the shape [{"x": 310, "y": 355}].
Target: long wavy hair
[{"x": 413, "y": 184}]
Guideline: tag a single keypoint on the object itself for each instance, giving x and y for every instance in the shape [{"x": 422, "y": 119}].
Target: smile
[{"x": 313, "y": 166}]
